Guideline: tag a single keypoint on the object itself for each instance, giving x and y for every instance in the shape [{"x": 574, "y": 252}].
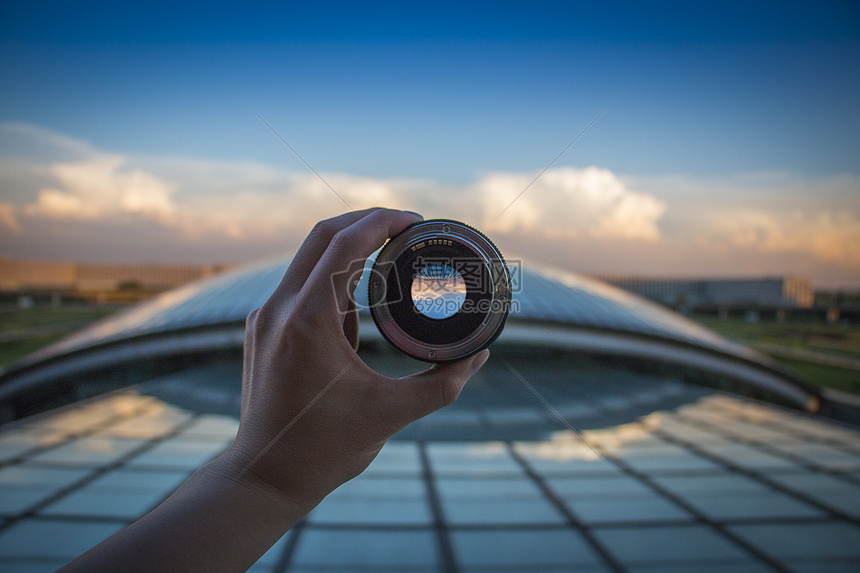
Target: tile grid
[
  {"x": 103, "y": 425},
  {"x": 440, "y": 524},
  {"x": 572, "y": 520},
  {"x": 794, "y": 431},
  {"x": 760, "y": 477},
  {"x": 675, "y": 439},
  {"x": 715, "y": 525},
  {"x": 33, "y": 512},
  {"x": 644, "y": 478}
]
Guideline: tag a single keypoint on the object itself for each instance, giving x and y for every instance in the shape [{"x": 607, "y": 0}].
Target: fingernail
[
  {"x": 419, "y": 215},
  {"x": 479, "y": 360}
]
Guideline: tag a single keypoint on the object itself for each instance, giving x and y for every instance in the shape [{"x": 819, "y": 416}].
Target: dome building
[{"x": 604, "y": 434}]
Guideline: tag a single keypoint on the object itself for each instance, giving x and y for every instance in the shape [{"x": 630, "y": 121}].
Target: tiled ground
[{"x": 714, "y": 484}]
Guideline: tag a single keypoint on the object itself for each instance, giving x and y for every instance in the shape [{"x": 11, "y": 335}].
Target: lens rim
[{"x": 463, "y": 333}]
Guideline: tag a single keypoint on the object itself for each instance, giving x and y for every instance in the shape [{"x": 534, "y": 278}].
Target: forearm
[{"x": 216, "y": 521}]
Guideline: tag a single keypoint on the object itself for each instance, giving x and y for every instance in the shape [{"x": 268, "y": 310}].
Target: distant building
[
  {"x": 21, "y": 275},
  {"x": 764, "y": 292}
]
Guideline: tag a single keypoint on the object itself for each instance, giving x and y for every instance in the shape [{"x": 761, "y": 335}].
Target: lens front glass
[{"x": 438, "y": 291}]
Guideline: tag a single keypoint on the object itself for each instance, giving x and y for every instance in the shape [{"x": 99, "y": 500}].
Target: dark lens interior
[{"x": 470, "y": 313}]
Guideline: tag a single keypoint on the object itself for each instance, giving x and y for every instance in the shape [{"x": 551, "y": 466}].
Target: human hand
[{"x": 313, "y": 414}]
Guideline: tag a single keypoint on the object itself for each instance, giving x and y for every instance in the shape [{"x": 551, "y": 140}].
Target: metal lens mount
[{"x": 440, "y": 291}]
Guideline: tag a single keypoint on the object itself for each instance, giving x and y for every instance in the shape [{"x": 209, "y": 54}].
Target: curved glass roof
[
  {"x": 540, "y": 294},
  {"x": 673, "y": 478}
]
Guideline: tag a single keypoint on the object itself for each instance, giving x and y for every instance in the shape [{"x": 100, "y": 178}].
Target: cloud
[
  {"x": 246, "y": 200},
  {"x": 199, "y": 200},
  {"x": 101, "y": 188},
  {"x": 64, "y": 198},
  {"x": 567, "y": 203},
  {"x": 36, "y": 144},
  {"x": 825, "y": 235},
  {"x": 298, "y": 201},
  {"x": 7, "y": 218}
]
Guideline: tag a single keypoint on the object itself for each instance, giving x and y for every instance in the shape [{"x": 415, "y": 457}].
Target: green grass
[
  {"x": 835, "y": 339},
  {"x": 13, "y": 318},
  {"x": 30, "y": 329},
  {"x": 823, "y": 376},
  {"x": 11, "y": 352},
  {"x": 832, "y": 339}
]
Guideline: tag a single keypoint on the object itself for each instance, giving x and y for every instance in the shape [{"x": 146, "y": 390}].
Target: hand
[{"x": 313, "y": 414}]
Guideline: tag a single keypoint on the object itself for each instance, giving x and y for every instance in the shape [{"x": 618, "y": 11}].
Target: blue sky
[{"x": 733, "y": 148}]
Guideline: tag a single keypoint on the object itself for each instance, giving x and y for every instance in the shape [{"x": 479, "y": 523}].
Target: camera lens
[{"x": 440, "y": 291}]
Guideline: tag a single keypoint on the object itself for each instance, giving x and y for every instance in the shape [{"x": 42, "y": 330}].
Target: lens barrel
[{"x": 440, "y": 291}]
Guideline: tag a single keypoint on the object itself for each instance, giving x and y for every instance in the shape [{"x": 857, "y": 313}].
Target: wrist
[{"x": 231, "y": 470}]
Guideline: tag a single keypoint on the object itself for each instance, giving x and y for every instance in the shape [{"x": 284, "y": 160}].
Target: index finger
[
  {"x": 329, "y": 283},
  {"x": 313, "y": 248}
]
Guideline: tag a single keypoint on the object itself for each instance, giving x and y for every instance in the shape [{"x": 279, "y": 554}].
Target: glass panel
[
  {"x": 372, "y": 510},
  {"x": 472, "y": 457},
  {"x": 16, "y": 499},
  {"x": 722, "y": 567},
  {"x": 396, "y": 458},
  {"x": 127, "y": 480},
  {"x": 627, "y": 509},
  {"x": 366, "y": 486},
  {"x": 648, "y": 460},
  {"x": 823, "y": 456},
  {"x": 15, "y": 442},
  {"x": 101, "y": 503},
  {"x": 748, "y": 457},
  {"x": 668, "y": 544},
  {"x": 29, "y": 475},
  {"x": 35, "y": 566},
  {"x": 90, "y": 451},
  {"x": 487, "y": 488},
  {"x": 211, "y": 426},
  {"x": 572, "y": 488},
  {"x": 829, "y": 566},
  {"x": 321, "y": 547},
  {"x": 711, "y": 484},
  {"x": 181, "y": 453},
  {"x": 770, "y": 505},
  {"x": 792, "y": 540},
  {"x": 563, "y": 456},
  {"x": 45, "y": 538},
  {"x": 509, "y": 511},
  {"x": 153, "y": 424},
  {"x": 502, "y": 549},
  {"x": 805, "y": 481}
]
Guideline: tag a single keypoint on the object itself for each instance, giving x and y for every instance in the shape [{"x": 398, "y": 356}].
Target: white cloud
[
  {"x": 100, "y": 188},
  {"x": 243, "y": 201},
  {"x": 61, "y": 195},
  {"x": 570, "y": 203}
]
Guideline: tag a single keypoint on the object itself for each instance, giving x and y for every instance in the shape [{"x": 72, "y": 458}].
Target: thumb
[{"x": 417, "y": 395}]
